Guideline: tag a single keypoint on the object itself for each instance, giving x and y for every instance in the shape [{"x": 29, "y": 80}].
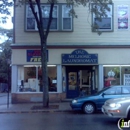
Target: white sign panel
[{"x": 126, "y": 79}]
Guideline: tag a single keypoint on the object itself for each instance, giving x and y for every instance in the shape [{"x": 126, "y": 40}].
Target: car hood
[
  {"x": 86, "y": 97},
  {"x": 119, "y": 100}
]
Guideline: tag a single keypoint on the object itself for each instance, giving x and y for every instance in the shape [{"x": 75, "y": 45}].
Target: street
[{"x": 56, "y": 121}]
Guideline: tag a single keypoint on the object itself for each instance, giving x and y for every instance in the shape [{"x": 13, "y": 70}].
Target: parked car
[
  {"x": 92, "y": 103},
  {"x": 117, "y": 108}
]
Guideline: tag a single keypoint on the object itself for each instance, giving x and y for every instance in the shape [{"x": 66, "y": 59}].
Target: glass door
[{"x": 72, "y": 84}]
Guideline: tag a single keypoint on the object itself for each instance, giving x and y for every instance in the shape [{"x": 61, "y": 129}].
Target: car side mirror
[{"x": 103, "y": 94}]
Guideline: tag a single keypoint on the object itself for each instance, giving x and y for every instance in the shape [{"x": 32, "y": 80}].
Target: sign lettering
[{"x": 79, "y": 57}]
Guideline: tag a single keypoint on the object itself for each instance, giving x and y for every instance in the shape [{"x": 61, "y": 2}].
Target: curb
[{"x": 34, "y": 111}]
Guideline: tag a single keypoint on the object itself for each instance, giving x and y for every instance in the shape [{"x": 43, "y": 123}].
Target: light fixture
[{"x": 51, "y": 65}]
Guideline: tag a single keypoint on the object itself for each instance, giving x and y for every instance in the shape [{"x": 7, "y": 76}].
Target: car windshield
[{"x": 101, "y": 91}]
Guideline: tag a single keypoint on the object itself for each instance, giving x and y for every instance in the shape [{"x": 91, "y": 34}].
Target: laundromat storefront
[
  {"x": 68, "y": 71},
  {"x": 26, "y": 76}
]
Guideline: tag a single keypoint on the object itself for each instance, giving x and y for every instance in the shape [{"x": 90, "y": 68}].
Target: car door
[{"x": 114, "y": 92}]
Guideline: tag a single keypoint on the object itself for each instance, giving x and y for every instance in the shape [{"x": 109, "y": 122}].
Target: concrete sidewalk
[
  {"x": 35, "y": 107},
  {"x": 31, "y": 107}
]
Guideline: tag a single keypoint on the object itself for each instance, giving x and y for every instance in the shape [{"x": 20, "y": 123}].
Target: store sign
[
  {"x": 126, "y": 79},
  {"x": 34, "y": 55},
  {"x": 79, "y": 56}
]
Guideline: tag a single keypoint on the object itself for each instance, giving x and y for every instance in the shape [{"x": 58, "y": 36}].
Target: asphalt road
[{"x": 56, "y": 121}]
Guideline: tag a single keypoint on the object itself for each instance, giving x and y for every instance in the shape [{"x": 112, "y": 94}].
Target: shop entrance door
[{"x": 72, "y": 84}]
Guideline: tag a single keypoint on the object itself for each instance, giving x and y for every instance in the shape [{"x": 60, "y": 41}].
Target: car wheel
[{"x": 89, "y": 108}]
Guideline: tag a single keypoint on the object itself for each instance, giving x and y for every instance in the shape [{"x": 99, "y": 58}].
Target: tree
[
  {"x": 43, "y": 33},
  {"x": 5, "y": 50},
  {"x": 5, "y": 9},
  {"x": 5, "y": 71},
  {"x": 5, "y": 55}
]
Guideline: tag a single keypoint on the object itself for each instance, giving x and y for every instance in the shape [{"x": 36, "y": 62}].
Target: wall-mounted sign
[
  {"x": 126, "y": 79},
  {"x": 34, "y": 55},
  {"x": 79, "y": 56},
  {"x": 123, "y": 17}
]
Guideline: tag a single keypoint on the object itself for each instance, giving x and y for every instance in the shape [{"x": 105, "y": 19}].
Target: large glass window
[
  {"x": 116, "y": 75},
  {"x": 125, "y": 74},
  {"x": 111, "y": 76},
  {"x": 30, "y": 79},
  {"x": 66, "y": 18}
]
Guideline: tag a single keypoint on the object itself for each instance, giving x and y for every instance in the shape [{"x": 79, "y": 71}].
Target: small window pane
[
  {"x": 53, "y": 23},
  {"x": 46, "y": 11},
  {"x": 102, "y": 22},
  {"x": 66, "y": 23},
  {"x": 66, "y": 11},
  {"x": 105, "y": 23},
  {"x": 30, "y": 23},
  {"x": 29, "y": 12},
  {"x": 66, "y": 17}
]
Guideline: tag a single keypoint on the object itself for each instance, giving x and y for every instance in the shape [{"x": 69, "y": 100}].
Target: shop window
[
  {"x": 102, "y": 23},
  {"x": 61, "y": 21},
  {"x": 125, "y": 74},
  {"x": 111, "y": 76},
  {"x": 30, "y": 79}
]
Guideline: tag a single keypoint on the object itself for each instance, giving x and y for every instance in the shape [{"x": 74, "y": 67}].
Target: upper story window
[
  {"x": 104, "y": 24},
  {"x": 62, "y": 20}
]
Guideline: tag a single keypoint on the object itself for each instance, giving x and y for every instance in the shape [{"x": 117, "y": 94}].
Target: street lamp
[{"x": 8, "y": 64}]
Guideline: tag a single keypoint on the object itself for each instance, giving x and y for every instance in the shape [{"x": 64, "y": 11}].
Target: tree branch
[{"x": 50, "y": 19}]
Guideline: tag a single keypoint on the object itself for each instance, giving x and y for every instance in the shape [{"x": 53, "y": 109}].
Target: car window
[
  {"x": 113, "y": 91},
  {"x": 118, "y": 90},
  {"x": 125, "y": 90},
  {"x": 110, "y": 91}
]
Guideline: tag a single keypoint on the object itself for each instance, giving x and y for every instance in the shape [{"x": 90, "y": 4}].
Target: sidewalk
[
  {"x": 31, "y": 107},
  {"x": 28, "y": 107}
]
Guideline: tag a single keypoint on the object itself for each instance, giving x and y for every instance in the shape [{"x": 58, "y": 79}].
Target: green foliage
[
  {"x": 5, "y": 56},
  {"x": 5, "y": 9}
]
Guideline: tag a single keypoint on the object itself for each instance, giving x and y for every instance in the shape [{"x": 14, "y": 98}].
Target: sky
[{"x": 8, "y": 25}]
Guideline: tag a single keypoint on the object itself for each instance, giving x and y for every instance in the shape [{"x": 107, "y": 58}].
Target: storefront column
[
  {"x": 14, "y": 79},
  {"x": 101, "y": 79},
  {"x": 59, "y": 78}
]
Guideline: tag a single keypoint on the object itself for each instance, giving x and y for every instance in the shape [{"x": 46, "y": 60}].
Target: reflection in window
[
  {"x": 110, "y": 91},
  {"x": 111, "y": 76},
  {"x": 33, "y": 79}
]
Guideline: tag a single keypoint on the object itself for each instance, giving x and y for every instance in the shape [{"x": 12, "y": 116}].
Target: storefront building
[{"x": 77, "y": 56}]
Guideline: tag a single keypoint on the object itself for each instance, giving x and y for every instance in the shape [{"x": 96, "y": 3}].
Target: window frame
[
  {"x": 59, "y": 19},
  {"x": 71, "y": 18},
  {"x": 110, "y": 16}
]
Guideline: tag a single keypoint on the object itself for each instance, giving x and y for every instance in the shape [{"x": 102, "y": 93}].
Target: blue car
[{"x": 93, "y": 103}]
